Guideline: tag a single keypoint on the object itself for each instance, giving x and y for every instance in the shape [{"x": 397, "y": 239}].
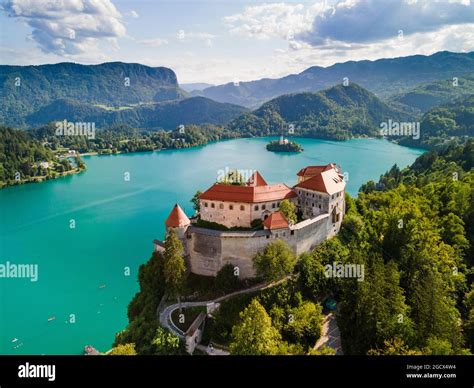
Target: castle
[{"x": 319, "y": 199}]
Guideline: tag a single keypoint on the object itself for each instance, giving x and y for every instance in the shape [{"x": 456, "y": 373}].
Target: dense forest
[
  {"x": 447, "y": 124},
  {"x": 26, "y": 89},
  {"x": 430, "y": 95},
  {"x": 152, "y": 115},
  {"x": 124, "y": 139},
  {"x": 338, "y": 113},
  {"x": 413, "y": 233},
  {"x": 24, "y": 159}
]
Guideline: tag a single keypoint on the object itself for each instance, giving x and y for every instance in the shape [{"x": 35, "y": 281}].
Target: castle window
[
  {"x": 278, "y": 204},
  {"x": 264, "y": 207},
  {"x": 213, "y": 205},
  {"x": 231, "y": 207},
  {"x": 332, "y": 197},
  {"x": 268, "y": 236},
  {"x": 276, "y": 235},
  {"x": 256, "y": 207},
  {"x": 313, "y": 195},
  {"x": 313, "y": 204},
  {"x": 292, "y": 232},
  {"x": 320, "y": 206},
  {"x": 205, "y": 204},
  {"x": 242, "y": 207},
  {"x": 273, "y": 205},
  {"x": 221, "y": 206}
]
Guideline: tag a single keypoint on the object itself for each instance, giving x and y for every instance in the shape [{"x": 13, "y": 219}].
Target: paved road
[
  {"x": 330, "y": 335},
  {"x": 167, "y": 322}
]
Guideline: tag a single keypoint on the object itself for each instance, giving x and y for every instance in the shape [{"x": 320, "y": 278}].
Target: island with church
[{"x": 284, "y": 145}]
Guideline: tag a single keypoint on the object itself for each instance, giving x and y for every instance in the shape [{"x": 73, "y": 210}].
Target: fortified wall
[
  {"x": 209, "y": 250},
  {"x": 318, "y": 195}
]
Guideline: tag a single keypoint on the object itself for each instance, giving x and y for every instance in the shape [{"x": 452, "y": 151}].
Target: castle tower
[{"x": 178, "y": 221}]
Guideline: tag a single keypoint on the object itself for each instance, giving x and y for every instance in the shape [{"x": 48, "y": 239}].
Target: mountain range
[
  {"x": 137, "y": 94},
  {"x": 150, "y": 97},
  {"x": 384, "y": 77}
]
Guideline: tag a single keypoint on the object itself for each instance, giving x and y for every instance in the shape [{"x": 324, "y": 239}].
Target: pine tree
[{"x": 174, "y": 266}]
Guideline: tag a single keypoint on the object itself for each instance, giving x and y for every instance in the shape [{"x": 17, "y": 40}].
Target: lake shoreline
[{"x": 98, "y": 153}]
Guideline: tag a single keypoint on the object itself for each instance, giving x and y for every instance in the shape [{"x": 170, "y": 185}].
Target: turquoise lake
[{"x": 82, "y": 270}]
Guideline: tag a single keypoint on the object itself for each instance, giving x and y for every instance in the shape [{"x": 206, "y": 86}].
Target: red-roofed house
[
  {"x": 238, "y": 206},
  {"x": 321, "y": 192}
]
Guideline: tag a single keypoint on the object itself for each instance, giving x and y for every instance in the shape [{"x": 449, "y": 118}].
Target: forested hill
[
  {"x": 444, "y": 125},
  {"x": 160, "y": 115},
  {"x": 339, "y": 113},
  {"x": 413, "y": 231},
  {"x": 25, "y": 89},
  {"x": 21, "y": 157},
  {"x": 427, "y": 96}
]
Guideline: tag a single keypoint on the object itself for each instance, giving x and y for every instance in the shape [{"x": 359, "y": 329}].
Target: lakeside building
[{"x": 319, "y": 199}]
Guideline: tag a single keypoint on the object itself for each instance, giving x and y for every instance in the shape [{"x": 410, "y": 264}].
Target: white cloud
[
  {"x": 273, "y": 20},
  {"x": 452, "y": 38},
  {"x": 351, "y": 21},
  {"x": 365, "y": 21},
  {"x": 68, "y": 27},
  {"x": 134, "y": 14},
  {"x": 156, "y": 42},
  {"x": 185, "y": 36}
]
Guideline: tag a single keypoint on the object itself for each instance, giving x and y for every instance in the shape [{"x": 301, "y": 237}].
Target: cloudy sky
[{"x": 219, "y": 41}]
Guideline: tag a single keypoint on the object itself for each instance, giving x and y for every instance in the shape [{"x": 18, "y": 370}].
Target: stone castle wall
[{"x": 209, "y": 250}]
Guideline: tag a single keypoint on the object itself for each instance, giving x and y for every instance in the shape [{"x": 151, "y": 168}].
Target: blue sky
[{"x": 229, "y": 40}]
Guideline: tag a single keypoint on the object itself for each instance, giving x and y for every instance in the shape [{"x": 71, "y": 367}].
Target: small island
[{"x": 284, "y": 145}]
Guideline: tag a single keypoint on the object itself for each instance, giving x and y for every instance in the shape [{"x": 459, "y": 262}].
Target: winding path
[{"x": 167, "y": 322}]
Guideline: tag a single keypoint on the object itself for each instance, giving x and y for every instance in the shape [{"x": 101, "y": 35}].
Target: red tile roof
[
  {"x": 276, "y": 221},
  {"x": 328, "y": 181},
  {"x": 248, "y": 194},
  {"x": 177, "y": 218},
  {"x": 256, "y": 180},
  {"x": 314, "y": 170}
]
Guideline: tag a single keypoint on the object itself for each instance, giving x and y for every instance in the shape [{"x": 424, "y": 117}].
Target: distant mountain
[
  {"x": 195, "y": 86},
  {"x": 339, "y": 112},
  {"x": 429, "y": 95},
  {"x": 384, "y": 77},
  {"x": 447, "y": 124},
  {"x": 26, "y": 89},
  {"x": 166, "y": 114}
]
